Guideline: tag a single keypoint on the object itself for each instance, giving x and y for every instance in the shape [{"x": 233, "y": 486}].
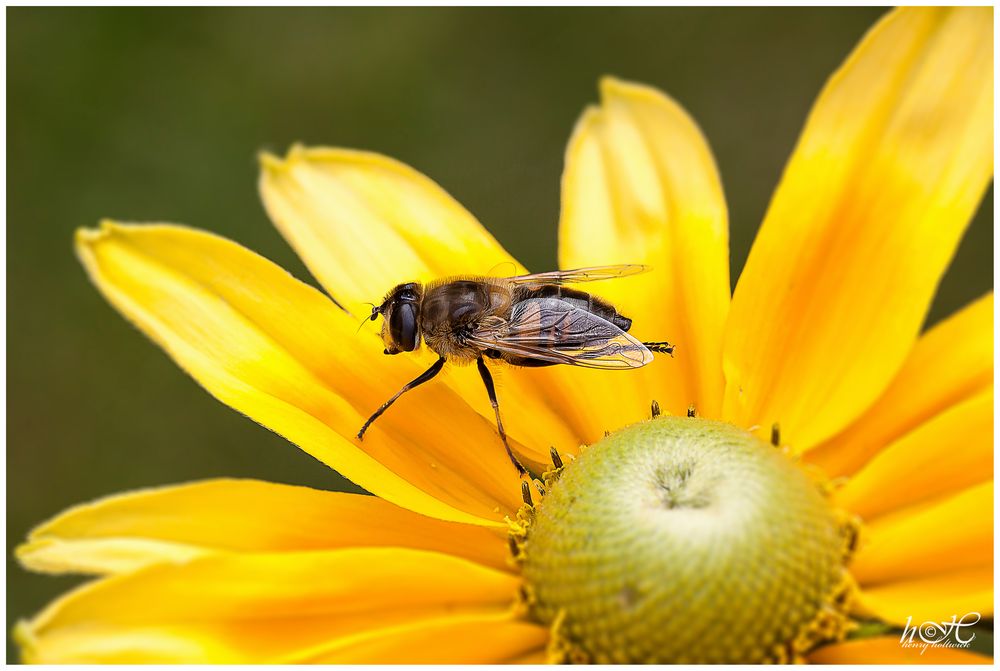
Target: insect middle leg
[
  {"x": 484, "y": 372},
  {"x": 424, "y": 377}
]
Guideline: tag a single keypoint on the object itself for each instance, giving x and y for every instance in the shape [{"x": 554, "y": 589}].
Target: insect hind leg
[
  {"x": 484, "y": 373},
  {"x": 662, "y": 346}
]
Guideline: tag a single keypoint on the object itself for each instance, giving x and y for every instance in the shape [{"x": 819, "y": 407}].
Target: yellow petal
[
  {"x": 951, "y": 363},
  {"x": 950, "y": 452},
  {"x": 284, "y": 355},
  {"x": 239, "y": 608},
  {"x": 893, "y": 161},
  {"x": 943, "y": 536},
  {"x": 539, "y": 656},
  {"x": 465, "y": 639},
  {"x": 174, "y": 524},
  {"x": 364, "y": 223},
  {"x": 101, "y": 556},
  {"x": 640, "y": 186},
  {"x": 932, "y": 598},
  {"x": 887, "y": 650}
]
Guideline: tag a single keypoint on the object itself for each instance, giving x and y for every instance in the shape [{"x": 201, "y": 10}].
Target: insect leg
[
  {"x": 424, "y": 377},
  {"x": 662, "y": 346},
  {"x": 484, "y": 372}
]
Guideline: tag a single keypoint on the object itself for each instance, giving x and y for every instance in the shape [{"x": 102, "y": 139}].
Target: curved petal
[
  {"x": 125, "y": 532},
  {"x": 364, "y": 223},
  {"x": 932, "y": 598},
  {"x": 947, "y": 454},
  {"x": 887, "y": 650},
  {"x": 951, "y": 363},
  {"x": 641, "y": 186},
  {"x": 237, "y": 608},
  {"x": 284, "y": 355},
  {"x": 465, "y": 639},
  {"x": 943, "y": 536},
  {"x": 893, "y": 161}
]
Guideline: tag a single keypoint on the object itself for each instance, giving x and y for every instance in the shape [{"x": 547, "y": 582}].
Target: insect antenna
[{"x": 370, "y": 317}]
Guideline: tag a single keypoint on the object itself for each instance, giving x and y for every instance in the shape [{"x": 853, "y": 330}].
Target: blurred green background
[{"x": 157, "y": 114}]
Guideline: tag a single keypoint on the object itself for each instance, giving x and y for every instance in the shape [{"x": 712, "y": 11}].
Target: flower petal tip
[
  {"x": 609, "y": 84},
  {"x": 270, "y": 162},
  {"x": 30, "y": 556},
  {"x": 300, "y": 155},
  {"x": 86, "y": 238},
  {"x": 25, "y": 639},
  {"x": 590, "y": 114},
  {"x": 297, "y": 153},
  {"x": 612, "y": 88},
  {"x": 589, "y": 118},
  {"x": 22, "y": 553}
]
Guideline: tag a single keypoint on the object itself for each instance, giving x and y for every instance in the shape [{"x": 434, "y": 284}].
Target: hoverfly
[{"x": 525, "y": 320}]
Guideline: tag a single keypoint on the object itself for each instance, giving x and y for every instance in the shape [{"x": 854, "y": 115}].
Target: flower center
[{"x": 683, "y": 540}]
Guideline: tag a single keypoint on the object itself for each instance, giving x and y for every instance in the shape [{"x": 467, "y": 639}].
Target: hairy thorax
[{"x": 452, "y": 309}]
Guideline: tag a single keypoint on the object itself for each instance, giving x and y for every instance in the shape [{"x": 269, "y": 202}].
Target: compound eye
[{"x": 403, "y": 326}]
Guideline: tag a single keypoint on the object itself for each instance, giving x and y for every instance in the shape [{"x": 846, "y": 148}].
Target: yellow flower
[{"x": 822, "y": 337}]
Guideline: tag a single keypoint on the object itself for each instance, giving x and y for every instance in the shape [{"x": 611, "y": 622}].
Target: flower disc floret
[{"x": 683, "y": 540}]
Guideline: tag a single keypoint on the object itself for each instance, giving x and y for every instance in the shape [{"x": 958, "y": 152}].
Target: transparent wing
[
  {"x": 553, "y": 330},
  {"x": 592, "y": 274}
]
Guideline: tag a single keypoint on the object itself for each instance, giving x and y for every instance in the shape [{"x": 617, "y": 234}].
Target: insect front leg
[
  {"x": 484, "y": 372},
  {"x": 424, "y": 377}
]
